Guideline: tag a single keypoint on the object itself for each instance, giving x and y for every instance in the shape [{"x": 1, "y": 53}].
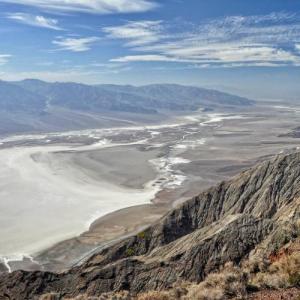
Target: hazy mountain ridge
[
  {"x": 145, "y": 99},
  {"x": 34, "y": 105},
  {"x": 243, "y": 217},
  {"x": 14, "y": 98}
]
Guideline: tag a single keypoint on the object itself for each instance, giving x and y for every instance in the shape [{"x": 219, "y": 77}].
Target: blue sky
[{"x": 247, "y": 47}]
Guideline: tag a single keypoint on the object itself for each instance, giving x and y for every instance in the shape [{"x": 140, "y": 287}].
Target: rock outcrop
[{"x": 225, "y": 223}]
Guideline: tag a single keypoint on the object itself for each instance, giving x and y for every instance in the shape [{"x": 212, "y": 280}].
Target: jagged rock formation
[{"x": 225, "y": 223}]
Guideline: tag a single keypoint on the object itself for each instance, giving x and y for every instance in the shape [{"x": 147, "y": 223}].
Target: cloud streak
[
  {"x": 37, "y": 21},
  {"x": 136, "y": 33},
  {"x": 75, "y": 44},
  {"x": 88, "y": 6},
  {"x": 4, "y": 58},
  {"x": 268, "y": 40}
]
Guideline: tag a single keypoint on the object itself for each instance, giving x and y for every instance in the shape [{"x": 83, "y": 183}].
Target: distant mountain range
[{"x": 30, "y": 104}]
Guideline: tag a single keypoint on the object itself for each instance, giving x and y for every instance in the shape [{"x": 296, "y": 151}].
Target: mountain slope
[
  {"x": 144, "y": 99},
  {"x": 228, "y": 222},
  {"x": 179, "y": 97},
  {"x": 14, "y": 98},
  {"x": 34, "y": 105}
]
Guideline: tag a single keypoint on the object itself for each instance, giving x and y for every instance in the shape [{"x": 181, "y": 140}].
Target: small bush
[
  {"x": 269, "y": 281},
  {"x": 123, "y": 295},
  {"x": 196, "y": 293},
  {"x": 154, "y": 296},
  {"x": 130, "y": 252},
  {"x": 230, "y": 282},
  {"x": 50, "y": 296},
  {"x": 294, "y": 280},
  {"x": 142, "y": 235},
  {"x": 283, "y": 273},
  {"x": 118, "y": 296},
  {"x": 180, "y": 289}
]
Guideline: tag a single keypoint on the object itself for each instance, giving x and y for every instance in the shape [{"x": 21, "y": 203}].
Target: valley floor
[{"x": 59, "y": 183}]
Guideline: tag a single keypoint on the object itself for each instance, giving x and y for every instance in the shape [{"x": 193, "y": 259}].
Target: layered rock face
[{"x": 225, "y": 223}]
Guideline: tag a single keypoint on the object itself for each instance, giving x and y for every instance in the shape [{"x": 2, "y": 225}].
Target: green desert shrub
[
  {"x": 130, "y": 252},
  {"x": 142, "y": 235}
]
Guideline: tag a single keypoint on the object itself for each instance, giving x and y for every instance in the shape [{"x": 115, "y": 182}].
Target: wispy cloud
[
  {"x": 38, "y": 21},
  {"x": 267, "y": 40},
  {"x": 75, "y": 44},
  {"x": 149, "y": 57},
  {"x": 104, "y": 68},
  {"x": 4, "y": 58},
  {"x": 136, "y": 33},
  {"x": 88, "y": 6}
]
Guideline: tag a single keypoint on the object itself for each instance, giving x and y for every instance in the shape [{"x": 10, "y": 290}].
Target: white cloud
[
  {"x": 149, "y": 58},
  {"x": 75, "y": 44},
  {"x": 243, "y": 64},
  {"x": 232, "y": 52},
  {"x": 133, "y": 58},
  {"x": 4, "y": 58},
  {"x": 136, "y": 33},
  {"x": 266, "y": 40},
  {"x": 88, "y": 6},
  {"x": 38, "y": 21},
  {"x": 235, "y": 55}
]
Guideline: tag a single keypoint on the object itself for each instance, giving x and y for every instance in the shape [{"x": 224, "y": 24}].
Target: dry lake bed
[{"x": 65, "y": 195}]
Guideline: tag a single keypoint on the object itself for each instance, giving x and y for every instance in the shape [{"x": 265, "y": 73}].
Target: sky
[{"x": 251, "y": 48}]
